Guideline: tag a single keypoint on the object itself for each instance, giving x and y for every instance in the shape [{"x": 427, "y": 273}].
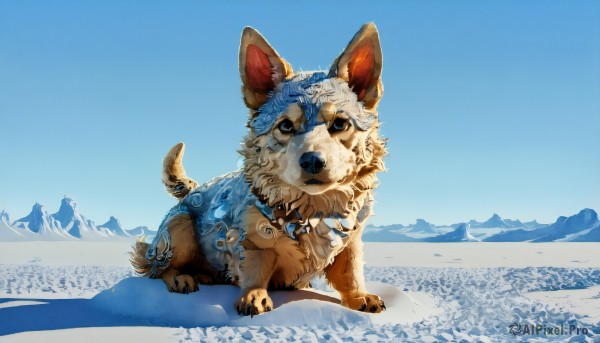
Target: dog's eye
[
  {"x": 286, "y": 126},
  {"x": 339, "y": 124}
]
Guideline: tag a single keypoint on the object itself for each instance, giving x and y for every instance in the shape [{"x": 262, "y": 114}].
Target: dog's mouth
[{"x": 314, "y": 182}]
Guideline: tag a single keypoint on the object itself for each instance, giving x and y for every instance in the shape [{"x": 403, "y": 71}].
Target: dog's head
[{"x": 313, "y": 143}]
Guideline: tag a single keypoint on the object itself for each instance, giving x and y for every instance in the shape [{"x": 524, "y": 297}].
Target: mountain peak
[
  {"x": 113, "y": 226},
  {"x": 422, "y": 226},
  {"x": 495, "y": 221},
  {"x": 67, "y": 212},
  {"x": 38, "y": 221},
  {"x": 460, "y": 234},
  {"x": 67, "y": 201},
  {"x": 588, "y": 214},
  {"x": 37, "y": 208},
  {"x": 463, "y": 231},
  {"x": 112, "y": 222}
]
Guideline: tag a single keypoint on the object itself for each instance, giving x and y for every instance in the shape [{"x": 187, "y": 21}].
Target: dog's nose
[{"x": 312, "y": 162}]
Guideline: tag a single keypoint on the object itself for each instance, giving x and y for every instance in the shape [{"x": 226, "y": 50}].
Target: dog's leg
[
  {"x": 345, "y": 274},
  {"x": 255, "y": 274},
  {"x": 180, "y": 283},
  {"x": 187, "y": 256}
]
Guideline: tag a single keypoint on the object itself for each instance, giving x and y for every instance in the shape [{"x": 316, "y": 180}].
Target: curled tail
[{"x": 177, "y": 183}]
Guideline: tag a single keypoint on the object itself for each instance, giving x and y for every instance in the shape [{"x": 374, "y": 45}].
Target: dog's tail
[
  {"x": 177, "y": 183},
  {"x": 138, "y": 257}
]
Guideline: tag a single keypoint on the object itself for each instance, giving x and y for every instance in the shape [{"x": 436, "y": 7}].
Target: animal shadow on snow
[{"x": 145, "y": 302}]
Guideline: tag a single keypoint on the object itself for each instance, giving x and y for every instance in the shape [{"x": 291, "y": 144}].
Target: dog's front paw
[
  {"x": 363, "y": 302},
  {"x": 254, "y": 302},
  {"x": 181, "y": 284}
]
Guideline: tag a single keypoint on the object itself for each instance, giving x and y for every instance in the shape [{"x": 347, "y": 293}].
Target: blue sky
[{"x": 489, "y": 106}]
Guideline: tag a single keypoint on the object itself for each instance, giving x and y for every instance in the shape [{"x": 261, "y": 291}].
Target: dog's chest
[
  {"x": 314, "y": 251},
  {"x": 300, "y": 254}
]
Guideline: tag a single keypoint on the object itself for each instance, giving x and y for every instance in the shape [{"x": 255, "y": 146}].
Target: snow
[
  {"x": 213, "y": 306},
  {"x": 65, "y": 253},
  {"x": 95, "y": 335},
  {"x": 74, "y": 291},
  {"x": 9, "y": 234},
  {"x": 576, "y": 299},
  {"x": 483, "y": 255}
]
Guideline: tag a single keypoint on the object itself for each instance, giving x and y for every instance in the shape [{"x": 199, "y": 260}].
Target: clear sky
[{"x": 489, "y": 106}]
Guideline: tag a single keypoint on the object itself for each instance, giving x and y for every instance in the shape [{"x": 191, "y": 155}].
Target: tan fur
[
  {"x": 262, "y": 171},
  {"x": 345, "y": 274},
  {"x": 188, "y": 266},
  {"x": 176, "y": 181},
  {"x": 137, "y": 257},
  {"x": 290, "y": 262},
  {"x": 271, "y": 258}
]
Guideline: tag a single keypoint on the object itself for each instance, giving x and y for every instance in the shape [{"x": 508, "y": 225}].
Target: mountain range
[
  {"x": 66, "y": 224},
  {"x": 581, "y": 227},
  {"x": 69, "y": 224}
]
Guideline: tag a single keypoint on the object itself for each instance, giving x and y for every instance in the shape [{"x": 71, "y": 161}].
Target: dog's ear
[
  {"x": 261, "y": 68},
  {"x": 360, "y": 65}
]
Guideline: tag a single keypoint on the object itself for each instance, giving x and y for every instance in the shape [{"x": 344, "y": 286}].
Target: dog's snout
[{"x": 312, "y": 162}]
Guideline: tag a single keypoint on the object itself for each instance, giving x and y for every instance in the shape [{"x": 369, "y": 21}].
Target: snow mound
[{"x": 148, "y": 299}]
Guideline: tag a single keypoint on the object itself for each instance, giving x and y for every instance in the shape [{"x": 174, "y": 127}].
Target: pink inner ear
[
  {"x": 258, "y": 69},
  {"x": 361, "y": 68}
]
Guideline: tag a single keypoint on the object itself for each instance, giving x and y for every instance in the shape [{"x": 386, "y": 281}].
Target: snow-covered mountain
[
  {"x": 66, "y": 224},
  {"x": 494, "y": 222},
  {"x": 461, "y": 234},
  {"x": 533, "y": 224},
  {"x": 572, "y": 228},
  {"x": 581, "y": 227},
  {"x": 43, "y": 224},
  {"x": 73, "y": 222},
  {"x": 422, "y": 226},
  {"x": 400, "y": 233},
  {"x": 386, "y": 235},
  {"x": 9, "y": 233},
  {"x": 497, "y": 222},
  {"x": 113, "y": 228}
]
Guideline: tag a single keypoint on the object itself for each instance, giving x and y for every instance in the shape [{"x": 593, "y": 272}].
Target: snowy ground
[{"x": 74, "y": 291}]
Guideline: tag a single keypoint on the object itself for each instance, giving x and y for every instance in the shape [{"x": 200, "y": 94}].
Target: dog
[{"x": 297, "y": 208}]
